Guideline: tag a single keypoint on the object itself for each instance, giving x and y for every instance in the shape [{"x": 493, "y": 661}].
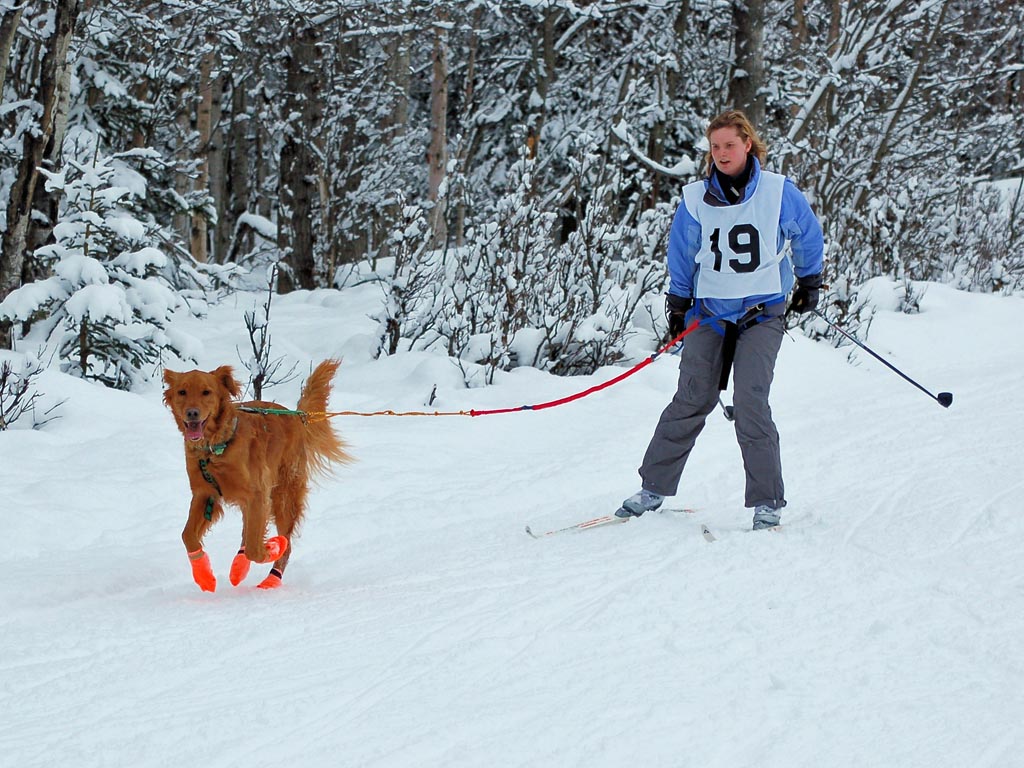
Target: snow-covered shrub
[
  {"x": 109, "y": 296},
  {"x": 987, "y": 234},
  {"x": 512, "y": 295},
  {"x": 17, "y": 390},
  {"x": 413, "y": 284},
  {"x": 968, "y": 236},
  {"x": 585, "y": 299},
  {"x": 469, "y": 301},
  {"x": 496, "y": 276},
  {"x": 264, "y": 370}
]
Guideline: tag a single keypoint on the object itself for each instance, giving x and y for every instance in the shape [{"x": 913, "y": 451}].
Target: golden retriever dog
[{"x": 260, "y": 462}]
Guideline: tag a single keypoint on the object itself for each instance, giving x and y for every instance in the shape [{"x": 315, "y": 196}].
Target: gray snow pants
[{"x": 696, "y": 396}]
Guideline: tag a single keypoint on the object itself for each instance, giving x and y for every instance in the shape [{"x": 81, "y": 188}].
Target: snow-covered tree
[
  {"x": 110, "y": 294},
  {"x": 891, "y": 117},
  {"x": 315, "y": 133},
  {"x": 42, "y": 120}
]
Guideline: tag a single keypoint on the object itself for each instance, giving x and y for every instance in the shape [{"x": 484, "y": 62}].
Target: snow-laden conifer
[{"x": 110, "y": 294}]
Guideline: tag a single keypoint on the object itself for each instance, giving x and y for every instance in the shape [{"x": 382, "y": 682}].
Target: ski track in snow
[{"x": 420, "y": 626}]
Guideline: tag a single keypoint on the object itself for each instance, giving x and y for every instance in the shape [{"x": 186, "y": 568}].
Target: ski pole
[
  {"x": 730, "y": 415},
  {"x": 944, "y": 399}
]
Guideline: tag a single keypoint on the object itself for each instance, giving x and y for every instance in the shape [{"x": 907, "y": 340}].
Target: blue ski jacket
[{"x": 797, "y": 224}]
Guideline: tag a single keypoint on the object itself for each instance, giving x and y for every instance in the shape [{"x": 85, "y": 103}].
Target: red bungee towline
[{"x": 317, "y": 416}]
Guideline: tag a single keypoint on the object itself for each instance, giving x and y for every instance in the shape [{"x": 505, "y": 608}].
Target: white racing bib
[{"x": 738, "y": 256}]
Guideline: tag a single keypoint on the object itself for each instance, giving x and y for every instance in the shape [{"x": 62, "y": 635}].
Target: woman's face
[{"x": 728, "y": 150}]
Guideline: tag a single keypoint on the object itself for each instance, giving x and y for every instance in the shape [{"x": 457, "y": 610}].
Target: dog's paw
[
  {"x": 202, "y": 571},
  {"x": 239, "y": 568},
  {"x": 273, "y": 581},
  {"x": 276, "y": 545}
]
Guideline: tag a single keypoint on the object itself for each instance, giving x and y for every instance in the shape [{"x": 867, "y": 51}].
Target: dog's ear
[
  {"x": 170, "y": 379},
  {"x": 226, "y": 376}
]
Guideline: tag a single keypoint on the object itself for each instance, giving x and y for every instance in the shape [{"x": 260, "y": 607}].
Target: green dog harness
[{"x": 216, "y": 450}]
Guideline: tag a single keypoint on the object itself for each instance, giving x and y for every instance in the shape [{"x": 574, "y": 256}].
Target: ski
[
  {"x": 597, "y": 522},
  {"x": 710, "y": 537},
  {"x": 586, "y": 525}
]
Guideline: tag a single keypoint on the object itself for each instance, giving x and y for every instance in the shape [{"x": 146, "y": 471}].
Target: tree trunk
[
  {"x": 748, "y": 73},
  {"x": 298, "y": 163},
  {"x": 53, "y": 77},
  {"x": 467, "y": 109},
  {"x": 544, "y": 66},
  {"x": 260, "y": 136},
  {"x": 237, "y": 169},
  {"x": 393, "y": 127},
  {"x": 8, "y": 28},
  {"x": 437, "y": 153},
  {"x": 46, "y": 205},
  {"x": 835, "y": 24},
  {"x": 198, "y": 238},
  {"x": 140, "y": 138},
  {"x": 672, "y": 78},
  {"x": 218, "y": 169},
  {"x": 182, "y": 182},
  {"x": 798, "y": 41}
]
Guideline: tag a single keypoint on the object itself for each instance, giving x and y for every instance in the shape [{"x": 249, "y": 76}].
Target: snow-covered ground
[{"x": 419, "y": 625}]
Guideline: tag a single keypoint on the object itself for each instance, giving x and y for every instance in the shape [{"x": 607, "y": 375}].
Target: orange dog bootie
[
  {"x": 273, "y": 580},
  {"x": 239, "y": 568},
  {"x": 202, "y": 572},
  {"x": 276, "y": 545}
]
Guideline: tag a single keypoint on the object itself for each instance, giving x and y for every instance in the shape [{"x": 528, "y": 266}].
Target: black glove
[
  {"x": 805, "y": 296},
  {"x": 676, "y": 308}
]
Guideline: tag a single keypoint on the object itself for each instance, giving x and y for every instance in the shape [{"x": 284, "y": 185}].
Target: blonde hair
[{"x": 735, "y": 118}]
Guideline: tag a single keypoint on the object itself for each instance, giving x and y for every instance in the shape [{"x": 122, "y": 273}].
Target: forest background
[{"x": 506, "y": 170}]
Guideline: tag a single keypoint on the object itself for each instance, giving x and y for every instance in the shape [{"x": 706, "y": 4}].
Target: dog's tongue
[{"x": 194, "y": 430}]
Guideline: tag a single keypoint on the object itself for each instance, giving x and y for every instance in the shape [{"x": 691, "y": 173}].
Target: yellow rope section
[{"x": 324, "y": 415}]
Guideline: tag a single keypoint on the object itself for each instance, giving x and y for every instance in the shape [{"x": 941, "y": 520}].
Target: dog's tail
[{"x": 323, "y": 446}]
